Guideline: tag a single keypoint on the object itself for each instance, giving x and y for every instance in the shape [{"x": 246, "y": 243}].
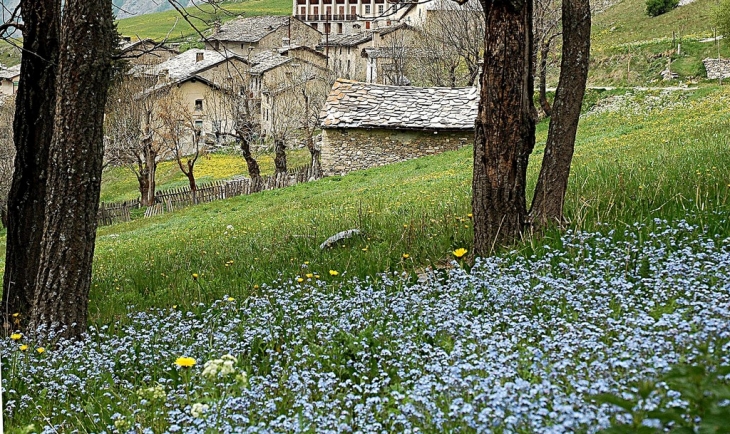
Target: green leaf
[{"x": 667, "y": 415}]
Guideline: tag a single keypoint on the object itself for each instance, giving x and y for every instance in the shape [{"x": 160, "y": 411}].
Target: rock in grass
[{"x": 339, "y": 236}]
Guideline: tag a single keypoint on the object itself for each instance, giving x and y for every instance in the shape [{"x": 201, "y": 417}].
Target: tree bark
[
  {"x": 316, "y": 157},
  {"x": 280, "y": 158},
  {"x": 74, "y": 172},
  {"x": 549, "y": 199},
  {"x": 505, "y": 125},
  {"x": 254, "y": 172},
  {"x": 33, "y": 126}
]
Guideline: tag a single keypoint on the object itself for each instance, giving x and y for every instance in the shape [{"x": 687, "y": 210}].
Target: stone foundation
[
  {"x": 345, "y": 150},
  {"x": 717, "y": 68}
]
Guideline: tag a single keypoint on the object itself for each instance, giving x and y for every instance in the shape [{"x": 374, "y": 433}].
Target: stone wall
[
  {"x": 717, "y": 68},
  {"x": 345, "y": 150}
]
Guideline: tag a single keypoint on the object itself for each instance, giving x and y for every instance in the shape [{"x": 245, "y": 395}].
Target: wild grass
[{"x": 171, "y": 25}]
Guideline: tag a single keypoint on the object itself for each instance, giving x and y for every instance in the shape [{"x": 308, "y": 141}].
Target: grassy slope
[
  {"x": 120, "y": 184},
  {"x": 627, "y": 168},
  {"x": 170, "y": 24},
  {"x": 625, "y": 33}
]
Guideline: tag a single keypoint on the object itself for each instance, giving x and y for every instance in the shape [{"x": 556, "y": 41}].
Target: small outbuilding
[{"x": 366, "y": 125}]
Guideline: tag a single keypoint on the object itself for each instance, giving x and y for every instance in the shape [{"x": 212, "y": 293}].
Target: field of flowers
[
  {"x": 227, "y": 317},
  {"x": 514, "y": 344}
]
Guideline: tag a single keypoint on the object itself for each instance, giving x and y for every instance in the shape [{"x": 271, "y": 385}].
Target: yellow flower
[
  {"x": 333, "y": 273},
  {"x": 470, "y": 215},
  {"x": 300, "y": 280},
  {"x": 41, "y": 350},
  {"x": 16, "y": 314},
  {"x": 23, "y": 347},
  {"x": 231, "y": 299},
  {"x": 195, "y": 276},
  {"x": 316, "y": 276},
  {"x": 185, "y": 362},
  {"x": 460, "y": 252},
  {"x": 310, "y": 275},
  {"x": 406, "y": 256},
  {"x": 16, "y": 336}
]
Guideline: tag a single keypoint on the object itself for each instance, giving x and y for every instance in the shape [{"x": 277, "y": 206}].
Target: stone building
[
  {"x": 251, "y": 35},
  {"x": 9, "y": 78},
  {"x": 146, "y": 52},
  {"x": 347, "y": 17},
  {"x": 366, "y": 125}
]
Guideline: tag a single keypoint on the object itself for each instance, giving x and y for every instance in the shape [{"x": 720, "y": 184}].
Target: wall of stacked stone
[
  {"x": 717, "y": 68},
  {"x": 345, "y": 150}
]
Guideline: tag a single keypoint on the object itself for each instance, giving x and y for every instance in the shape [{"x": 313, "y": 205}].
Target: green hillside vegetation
[
  {"x": 171, "y": 25},
  {"x": 660, "y": 156},
  {"x": 624, "y": 33}
]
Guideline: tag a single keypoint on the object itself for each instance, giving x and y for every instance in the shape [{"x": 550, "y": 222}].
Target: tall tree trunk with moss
[
  {"x": 33, "y": 132},
  {"x": 74, "y": 173},
  {"x": 505, "y": 125},
  {"x": 280, "y": 156},
  {"x": 549, "y": 199}
]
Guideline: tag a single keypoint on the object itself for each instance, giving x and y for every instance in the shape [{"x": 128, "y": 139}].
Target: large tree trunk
[
  {"x": 316, "y": 157},
  {"x": 549, "y": 199},
  {"x": 74, "y": 172},
  {"x": 505, "y": 125},
  {"x": 280, "y": 157},
  {"x": 147, "y": 174},
  {"x": 33, "y": 126}
]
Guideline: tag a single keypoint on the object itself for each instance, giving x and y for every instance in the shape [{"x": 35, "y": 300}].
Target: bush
[
  {"x": 722, "y": 18},
  {"x": 657, "y": 7}
]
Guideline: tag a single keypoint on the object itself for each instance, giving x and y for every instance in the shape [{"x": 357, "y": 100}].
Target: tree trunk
[
  {"x": 315, "y": 154},
  {"x": 544, "y": 53},
  {"x": 253, "y": 166},
  {"x": 280, "y": 158},
  {"x": 505, "y": 126},
  {"x": 549, "y": 199},
  {"x": 33, "y": 126},
  {"x": 147, "y": 175},
  {"x": 191, "y": 180},
  {"x": 76, "y": 157}
]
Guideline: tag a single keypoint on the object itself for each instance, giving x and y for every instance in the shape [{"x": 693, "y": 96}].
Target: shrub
[
  {"x": 657, "y": 7},
  {"x": 722, "y": 18}
]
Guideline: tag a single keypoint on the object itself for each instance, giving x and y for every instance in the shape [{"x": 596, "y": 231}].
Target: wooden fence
[{"x": 176, "y": 198}]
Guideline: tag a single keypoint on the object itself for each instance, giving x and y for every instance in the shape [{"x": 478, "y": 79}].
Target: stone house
[
  {"x": 347, "y": 17},
  {"x": 366, "y": 125},
  {"x": 348, "y": 54},
  {"x": 9, "y": 78},
  {"x": 250, "y": 36}
]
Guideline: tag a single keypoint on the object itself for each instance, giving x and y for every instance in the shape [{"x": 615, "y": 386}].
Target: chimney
[
  {"x": 199, "y": 57},
  {"x": 216, "y": 27}
]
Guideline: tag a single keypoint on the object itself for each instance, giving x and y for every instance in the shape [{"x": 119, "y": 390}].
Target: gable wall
[{"x": 345, "y": 150}]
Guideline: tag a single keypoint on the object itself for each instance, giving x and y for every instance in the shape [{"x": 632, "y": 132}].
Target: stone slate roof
[
  {"x": 353, "y": 104},
  {"x": 250, "y": 29},
  {"x": 183, "y": 65},
  {"x": 267, "y": 60},
  {"x": 9, "y": 73},
  {"x": 352, "y": 40}
]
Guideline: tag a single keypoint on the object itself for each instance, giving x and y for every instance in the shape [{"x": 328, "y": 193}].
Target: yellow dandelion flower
[
  {"x": 195, "y": 276},
  {"x": 333, "y": 273},
  {"x": 41, "y": 350},
  {"x": 231, "y": 299},
  {"x": 406, "y": 256},
  {"x": 300, "y": 280},
  {"x": 460, "y": 252},
  {"x": 24, "y": 347},
  {"x": 16, "y": 314},
  {"x": 185, "y": 362},
  {"x": 316, "y": 276},
  {"x": 310, "y": 275},
  {"x": 470, "y": 215},
  {"x": 16, "y": 336}
]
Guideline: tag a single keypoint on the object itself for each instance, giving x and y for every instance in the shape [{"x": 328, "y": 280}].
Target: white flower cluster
[
  {"x": 220, "y": 367},
  {"x": 199, "y": 409},
  {"x": 153, "y": 393}
]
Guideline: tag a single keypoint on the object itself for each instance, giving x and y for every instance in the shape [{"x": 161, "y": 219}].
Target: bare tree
[
  {"x": 181, "y": 136},
  {"x": 450, "y": 44},
  {"x": 133, "y": 125},
  {"x": 547, "y": 25},
  {"x": 7, "y": 153}
]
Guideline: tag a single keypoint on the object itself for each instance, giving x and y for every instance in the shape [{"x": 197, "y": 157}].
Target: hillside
[{"x": 169, "y": 24}]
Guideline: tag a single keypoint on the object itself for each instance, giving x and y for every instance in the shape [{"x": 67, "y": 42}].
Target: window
[
  {"x": 367, "y": 25},
  {"x": 339, "y": 28},
  {"x": 199, "y": 57},
  {"x": 380, "y": 9},
  {"x": 367, "y": 9},
  {"x": 198, "y": 125},
  {"x": 198, "y": 105}
]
